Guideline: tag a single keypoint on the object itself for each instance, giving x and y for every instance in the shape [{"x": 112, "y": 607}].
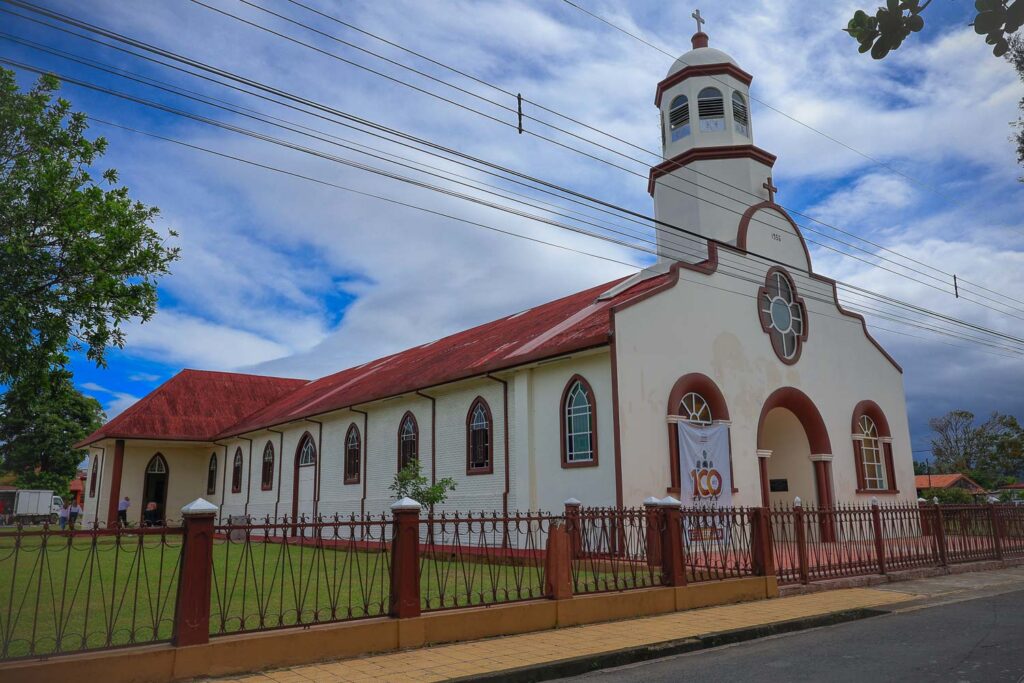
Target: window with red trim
[
  {"x": 408, "y": 441},
  {"x": 95, "y": 474},
  {"x": 579, "y": 424},
  {"x": 478, "y": 438},
  {"x": 267, "y": 471},
  {"x": 353, "y": 454},
  {"x": 236, "y": 472},
  {"x": 211, "y": 475}
]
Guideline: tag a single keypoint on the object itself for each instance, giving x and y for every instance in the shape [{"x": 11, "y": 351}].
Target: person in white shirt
[
  {"x": 73, "y": 513},
  {"x": 122, "y": 511}
]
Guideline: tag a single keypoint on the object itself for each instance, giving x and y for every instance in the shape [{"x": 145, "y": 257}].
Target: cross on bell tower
[
  {"x": 770, "y": 186},
  {"x": 700, "y": 20}
]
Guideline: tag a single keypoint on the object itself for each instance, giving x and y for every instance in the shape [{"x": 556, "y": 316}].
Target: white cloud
[{"x": 114, "y": 402}]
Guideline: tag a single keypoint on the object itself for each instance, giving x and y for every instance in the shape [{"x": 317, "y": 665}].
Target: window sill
[
  {"x": 485, "y": 470},
  {"x": 581, "y": 463},
  {"x": 876, "y": 492},
  {"x": 266, "y": 488},
  {"x": 347, "y": 482}
]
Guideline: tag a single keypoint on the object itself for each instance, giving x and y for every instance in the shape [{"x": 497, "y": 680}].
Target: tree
[
  {"x": 952, "y": 495},
  {"x": 997, "y": 20},
  {"x": 78, "y": 257},
  {"x": 410, "y": 483},
  {"x": 990, "y": 453},
  {"x": 1016, "y": 57},
  {"x": 41, "y": 416}
]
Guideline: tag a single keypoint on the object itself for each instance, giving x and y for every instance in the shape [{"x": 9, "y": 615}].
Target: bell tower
[{"x": 712, "y": 171}]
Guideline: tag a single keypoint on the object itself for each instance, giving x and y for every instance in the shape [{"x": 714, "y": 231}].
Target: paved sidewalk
[{"x": 495, "y": 655}]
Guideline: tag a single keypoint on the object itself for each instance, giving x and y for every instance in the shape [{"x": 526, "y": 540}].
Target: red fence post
[
  {"x": 673, "y": 567},
  {"x": 940, "y": 533},
  {"x": 572, "y": 526},
  {"x": 652, "y": 519},
  {"x": 876, "y": 527},
  {"x": 801, "y": 540},
  {"x": 405, "y": 559},
  {"x": 761, "y": 551},
  {"x": 192, "y": 607},
  {"x": 997, "y": 530},
  {"x": 557, "y": 564}
]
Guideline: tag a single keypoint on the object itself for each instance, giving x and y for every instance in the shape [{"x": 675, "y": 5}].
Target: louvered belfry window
[
  {"x": 679, "y": 118},
  {"x": 740, "y": 116},
  {"x": 711, "y": 109}
]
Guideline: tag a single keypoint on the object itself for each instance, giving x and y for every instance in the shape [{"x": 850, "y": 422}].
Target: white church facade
[{"x": 576, "y": 398}]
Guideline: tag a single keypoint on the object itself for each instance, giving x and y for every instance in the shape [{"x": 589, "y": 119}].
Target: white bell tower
[{"x": 711, "y": 172}]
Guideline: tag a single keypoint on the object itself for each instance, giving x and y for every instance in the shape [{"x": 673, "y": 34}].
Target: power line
[
  {"x": 459, "y": 219},
  {"x": 943, "y": 289},
  {"x": 946, "y": 288},
  {"x": 830, "y": 301}
]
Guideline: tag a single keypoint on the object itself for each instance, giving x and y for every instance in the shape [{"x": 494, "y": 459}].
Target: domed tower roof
[{"x": 701, "y": 54}]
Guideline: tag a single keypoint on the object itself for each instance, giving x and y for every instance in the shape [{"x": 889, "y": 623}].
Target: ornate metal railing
[
  {"x": 610, "y": 549},
  {"x": 717, "y": 543},
  {"x": 481, "y": 559},
  {"x": 299, "y": 572},
  {"x": 89, "y": 589}
]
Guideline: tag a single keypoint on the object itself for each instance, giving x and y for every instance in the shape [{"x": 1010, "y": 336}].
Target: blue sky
[{"x": 280, "y": 276}]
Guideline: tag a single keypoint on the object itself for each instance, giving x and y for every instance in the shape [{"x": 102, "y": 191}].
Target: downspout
[
  {"x": 280, "y": 466},
  {"x": 99, "y": 484},
  {"x": 433, "y": 434},
  {"x": 366, "y": 454},
  {"x": 223, "y": 481},
  {"x": 319, "y": 459},
  {"x": 504, "y": 401},
  {"x": 248, "y": 480}
]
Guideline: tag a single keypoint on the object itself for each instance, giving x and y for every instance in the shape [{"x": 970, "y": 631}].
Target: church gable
[{"x": 765, "y": 229}]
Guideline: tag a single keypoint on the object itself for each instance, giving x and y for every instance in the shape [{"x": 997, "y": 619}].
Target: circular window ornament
[{"x": 783, "y": 315}]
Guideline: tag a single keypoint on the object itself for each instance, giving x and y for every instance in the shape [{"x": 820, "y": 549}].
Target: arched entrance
[
  {"x": 304, "y": 483},
  {"x": 794, "y": 452},
  {"x": 154, "y": 487}
]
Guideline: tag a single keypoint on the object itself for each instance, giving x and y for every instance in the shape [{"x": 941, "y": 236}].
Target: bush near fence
[{"x": 71, "y": 591}]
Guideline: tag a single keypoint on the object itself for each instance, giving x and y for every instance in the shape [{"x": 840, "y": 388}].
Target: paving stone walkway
[{"x": 477, "y": 658}]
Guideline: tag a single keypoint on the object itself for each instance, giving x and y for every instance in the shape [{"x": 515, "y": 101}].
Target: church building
[{"x": 576, "y": 398}]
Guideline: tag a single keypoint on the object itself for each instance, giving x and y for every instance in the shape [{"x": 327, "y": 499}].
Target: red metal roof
[
  {"x": 203, "y": 406},
  {"x": 195, "y": 405},
  {"x": 944, "y": 481}
]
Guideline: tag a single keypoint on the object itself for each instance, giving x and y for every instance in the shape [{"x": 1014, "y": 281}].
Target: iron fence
[
  {"x": 717, "y": 543},
  {"x": 88, "y": 589},
  {"x": 481, "y": 559},
  {"x": 610, "y": 549},
  {"x": 299, "y": 572}
]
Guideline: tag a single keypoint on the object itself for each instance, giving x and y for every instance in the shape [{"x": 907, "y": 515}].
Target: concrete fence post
[
  {"x": 940, "y": 533},
  {"x": 673, "y": 565},
  {"x": 652, "y": 522},
  {"x": 192, "y": 606},
  {"x": 876, "y": 528},
  {"x": 573, "y": 525},
  {"x": 405, "y": 559},
  {"x": 801, "y": 540},
  {"x": 761, "y": 550},
  {"x": 558, "y": 564},
  {"x": 997, "y": 530}
]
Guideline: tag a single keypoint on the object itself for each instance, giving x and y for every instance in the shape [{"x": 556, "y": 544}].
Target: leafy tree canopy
[
  {"x": 991, "y": 453},
  {"x": 78, "y": 257},
  {"x": 891, "y": 24},
  {"x": 40, "y": 417},
  {"x": 953, "y": 495},
  {"x": 410, "y": 483}
]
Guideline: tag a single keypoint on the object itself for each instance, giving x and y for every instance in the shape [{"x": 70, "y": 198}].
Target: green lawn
[{"x": 90, "y": 593}]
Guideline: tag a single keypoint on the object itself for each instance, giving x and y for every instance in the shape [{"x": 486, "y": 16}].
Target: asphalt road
[{"x": 976, "y": 640}]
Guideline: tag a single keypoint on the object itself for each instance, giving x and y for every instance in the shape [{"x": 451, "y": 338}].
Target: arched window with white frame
[
  {"x": 353, "y": 455},
  {"x": 408, "y": 441},
  {"x": 679, "y": 118},
  {"x": 872, "y": 449},
  {"x": 695, "y": 408},
  {"x": 236, "y": 472},
  {"x": 740, "y": 114},
  {"x": 711, "y": 110},
  {"x": 267, "y": 470},
  {"x": 579, "y": 424},
  {"x": 479, "y": 444},
  {"x": 307, "y": 454},
  {"x": 211, "y": 475},
  {"x": 95, "y": 475},
  {"x": 872, "y": 458}
]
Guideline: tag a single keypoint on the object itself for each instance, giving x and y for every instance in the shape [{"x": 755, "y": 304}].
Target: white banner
[{"x": 705, "y": 477}]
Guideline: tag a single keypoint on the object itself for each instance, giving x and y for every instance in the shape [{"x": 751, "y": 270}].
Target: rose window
[{"x": 783, "y": 315}]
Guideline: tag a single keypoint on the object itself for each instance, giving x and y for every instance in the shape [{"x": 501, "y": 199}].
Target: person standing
[
  {"x": 73, "y": 514},
  {"x": 122, "y": 511},
  {"x": 152, "y": 514},
  {"x": 64, "y": 515}
]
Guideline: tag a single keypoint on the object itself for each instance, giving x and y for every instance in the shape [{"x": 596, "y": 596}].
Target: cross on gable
[
  {"x": 700, "y": 20},
  {"x": 770, "y": 186}
]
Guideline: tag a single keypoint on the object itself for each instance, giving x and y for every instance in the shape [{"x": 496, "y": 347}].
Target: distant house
[
  {"x": 1016, "y": 490},
  {"x": 947, "y": 481}
]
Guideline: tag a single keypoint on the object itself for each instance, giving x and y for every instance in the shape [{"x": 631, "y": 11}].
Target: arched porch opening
[{"x": 794, "y": 452}]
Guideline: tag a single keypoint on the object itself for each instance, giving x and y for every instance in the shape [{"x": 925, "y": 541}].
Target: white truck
[{"x": 29, "y": 507}]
